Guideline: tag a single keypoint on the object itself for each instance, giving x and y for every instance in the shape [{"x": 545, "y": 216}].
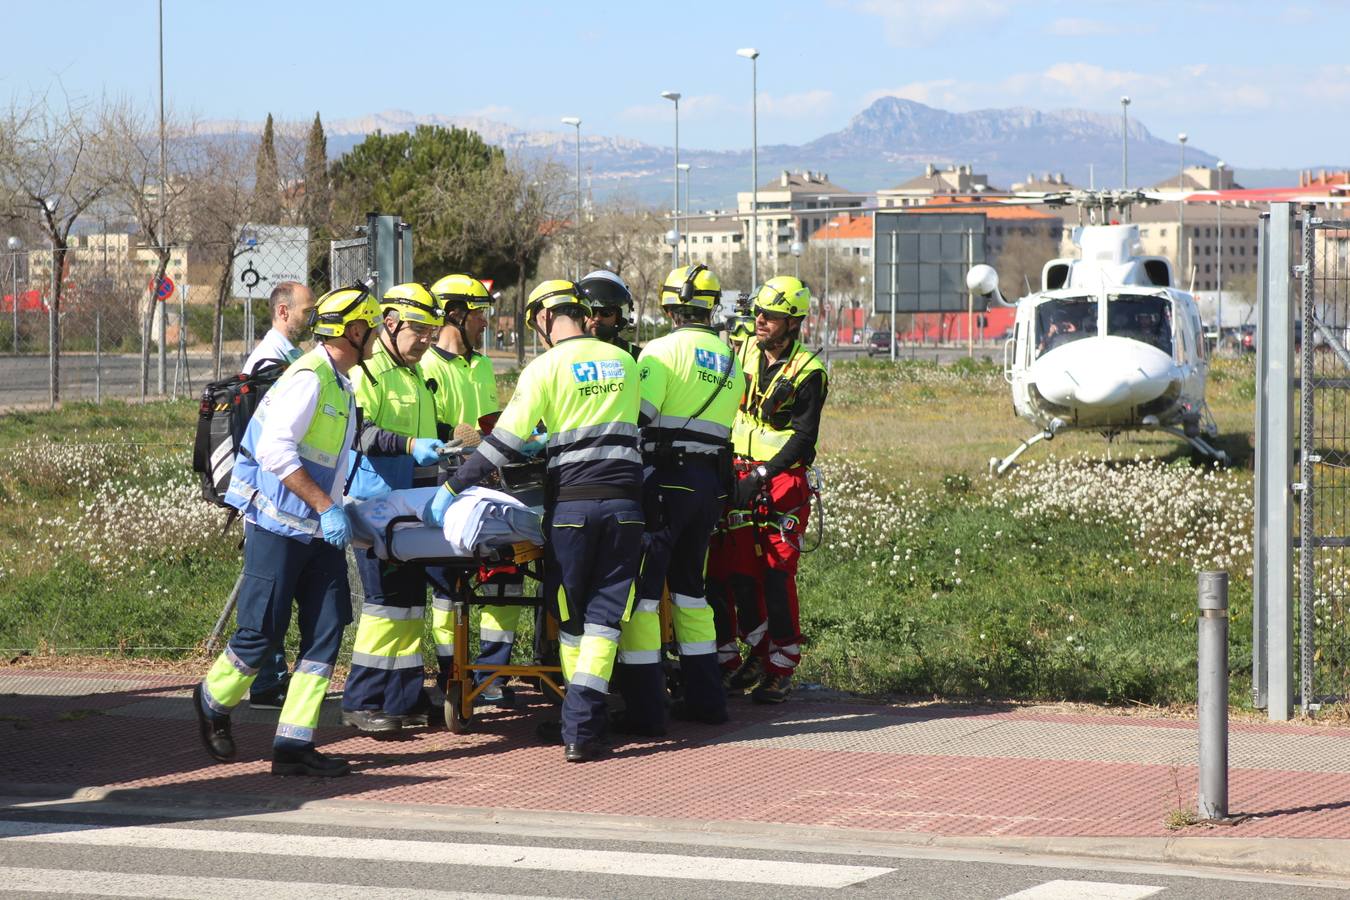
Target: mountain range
[{"x": 889, "y": 142}]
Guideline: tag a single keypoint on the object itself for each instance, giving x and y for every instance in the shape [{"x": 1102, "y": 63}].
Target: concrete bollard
[{"x": 1212, "y": 624}]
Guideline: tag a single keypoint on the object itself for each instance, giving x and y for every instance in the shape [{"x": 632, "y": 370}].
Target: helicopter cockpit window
[
  {"x": 1060, "y": 322},
  {"x": 1141, "y": 318}
]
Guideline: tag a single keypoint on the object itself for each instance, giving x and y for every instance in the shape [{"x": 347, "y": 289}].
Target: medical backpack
[{"x": 226, "y": 408}]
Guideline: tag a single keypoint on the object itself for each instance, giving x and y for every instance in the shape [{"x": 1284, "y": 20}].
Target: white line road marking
[
  {"x": 130, "y": 884},
  {"x": 1081, "y": 890},
  {"x": 598, "y": 862}
]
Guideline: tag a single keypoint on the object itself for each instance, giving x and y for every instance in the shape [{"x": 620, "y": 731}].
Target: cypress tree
[{"x": 267, "y": 181}]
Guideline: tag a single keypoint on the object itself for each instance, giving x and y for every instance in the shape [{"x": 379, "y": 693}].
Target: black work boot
[
  {"x": 214, "y": 731},
  {"x": 308, "y": 762},
  {"x": 583, "y": 751},
  {"x": 549, "y": 731},
  {"x": 272, "y": 698},
  {"x": 772, "y": 689},
  {"x": 749, "y": 672},
  {"x": 371, "y": 721}
]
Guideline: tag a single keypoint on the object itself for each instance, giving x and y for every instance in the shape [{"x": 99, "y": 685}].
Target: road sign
[
  {"x": 165, "y": 289},
  {"x": 266, "y": 256}
]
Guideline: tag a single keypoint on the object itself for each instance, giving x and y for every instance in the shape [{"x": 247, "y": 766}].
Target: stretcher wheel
[{"x": 454, "y": 719}]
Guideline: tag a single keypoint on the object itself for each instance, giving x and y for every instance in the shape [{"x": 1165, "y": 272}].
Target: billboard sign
[{"x": 920, "y": 260}]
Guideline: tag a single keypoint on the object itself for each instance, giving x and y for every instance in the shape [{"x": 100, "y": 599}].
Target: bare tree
[
  {"x": 626, "y": 237},
  {"x": 221, "y": 200},
  {"x": 518, "y": 209},
  {"x": 131, "y": 171},
  {"x": 1021, "y": 259},
  {"x": 50, "y": 168}
]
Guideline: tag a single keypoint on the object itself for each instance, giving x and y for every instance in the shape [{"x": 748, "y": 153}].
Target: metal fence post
[
  {"x": 98, "y": 356},
  {"x": 1275, "y": 453},
  {"x": 1307, "y": 449},
  {"x": 1212, "y": 628}
]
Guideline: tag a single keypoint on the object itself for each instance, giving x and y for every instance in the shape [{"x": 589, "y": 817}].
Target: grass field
[{"x": 1072, "y": 578}]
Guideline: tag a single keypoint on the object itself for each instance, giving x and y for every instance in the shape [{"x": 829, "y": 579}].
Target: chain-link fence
[
  {"x": 123, "y": 335},
  {"x": 1323, "y": 339}
]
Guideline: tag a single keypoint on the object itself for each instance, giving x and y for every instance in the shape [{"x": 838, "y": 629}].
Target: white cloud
[
  {"x": 909, "y": 23},
  {"x": 496, "y": 113},
  {"x": 694, "y": 108},
  {"x": 804, "y": 105}
]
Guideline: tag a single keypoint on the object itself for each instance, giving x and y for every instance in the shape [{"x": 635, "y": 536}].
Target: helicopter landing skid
[
  {"x": 999, "y": 466},
  {"x": 1200, "y": 444}
]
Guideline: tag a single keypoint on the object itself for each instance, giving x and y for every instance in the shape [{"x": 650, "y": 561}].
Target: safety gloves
[
  {"x": 337, "y": 529},
  {"x": 425, "y": 451},
  {"x": 433, "y": 513},
  {"x": 749, "y": 488},
  {"x": 535, "y": 445}
]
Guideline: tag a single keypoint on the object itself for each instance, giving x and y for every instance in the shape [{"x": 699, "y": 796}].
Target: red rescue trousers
[{"x": 752, "y": 575}]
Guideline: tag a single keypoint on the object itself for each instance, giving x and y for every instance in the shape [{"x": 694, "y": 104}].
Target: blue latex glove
[
  {"x": 423, "y": 450},
  {"x": 434, "y": 512},
  {"x": 535, "y": 445},
  {"x": 337, "y": 529}
]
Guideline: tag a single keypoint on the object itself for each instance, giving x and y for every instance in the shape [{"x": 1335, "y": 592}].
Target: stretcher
[{"x": 474, "y": 580}]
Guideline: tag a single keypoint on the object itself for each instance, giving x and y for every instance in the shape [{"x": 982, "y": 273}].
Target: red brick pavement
[{"x": 738, "y": 772}]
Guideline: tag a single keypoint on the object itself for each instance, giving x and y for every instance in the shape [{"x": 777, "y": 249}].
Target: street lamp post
[
  {"x": 1218, "y": 213},
  {"x": 684, "y": 167},
  {"x": 752, "y": 54},
  {"x": 576, "y": 123},
  {"x": 1124, "y": 143},
  {"x": 825, "y": 302},
  {"x": 1181, "y": 209},
  {"x": 15, "y": 245},
  {"x": 674, "y": 97},
  {"x": 796, "y": 251}
]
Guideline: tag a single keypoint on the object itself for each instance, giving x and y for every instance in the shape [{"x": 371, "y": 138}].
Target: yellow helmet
[
  {"x": 414, "y": 304},
  {"x": 554, "y": 293},
  {"x": 694, "y": 286},
  {"x": 335, "y": 310},
  {"x": 783, "y": 295},
  {"x": 455, "y": 289}
]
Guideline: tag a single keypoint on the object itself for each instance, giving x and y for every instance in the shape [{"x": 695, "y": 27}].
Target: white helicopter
[{"x": 1109, "y": 343}]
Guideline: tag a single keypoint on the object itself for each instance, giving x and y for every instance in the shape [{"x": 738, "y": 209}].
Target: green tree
[
  {"x": 428, "y": 177},
  {"x": 315, "y": 207},
  {"x": 266, "y": 180}
]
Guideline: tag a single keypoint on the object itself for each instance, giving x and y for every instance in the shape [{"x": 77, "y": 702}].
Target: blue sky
[{"x": 1263, "y": 84}]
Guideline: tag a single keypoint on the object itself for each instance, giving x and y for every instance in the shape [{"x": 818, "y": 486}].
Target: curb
[{"x": 1321, "y": 857}]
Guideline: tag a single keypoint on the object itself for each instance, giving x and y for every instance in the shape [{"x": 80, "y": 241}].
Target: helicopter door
[{"x": 1010, "y": 351}]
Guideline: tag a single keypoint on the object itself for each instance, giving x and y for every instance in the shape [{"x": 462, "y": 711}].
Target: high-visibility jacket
[
  {"x": 485, "y": 380},
  {"x": 586, "y": 392},
  {"x": 763, "y": 422},
  {"x": 323, "y": 455},
  {"x": 456, "y": 397},
  {"x": 394, "y": 398},
  {"x": 691, "y": 386}
]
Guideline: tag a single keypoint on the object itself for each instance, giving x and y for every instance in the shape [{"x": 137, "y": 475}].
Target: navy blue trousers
[
  {"x": 591, "y": 554},
  {"x": 279, "y": 571},
  {"x": 393, "y": 586}
]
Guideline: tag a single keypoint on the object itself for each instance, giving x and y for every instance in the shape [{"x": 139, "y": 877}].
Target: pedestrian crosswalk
[{"x": 195, "y": 840}]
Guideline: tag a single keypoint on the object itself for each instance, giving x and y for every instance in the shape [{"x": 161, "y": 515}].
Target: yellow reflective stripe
[
  {"x": 563, "y": 613},
  {"x": 595, "y": 658},
  {"x": 628, "y": 607},
  {"x": 225, "y": 684},
  {"x": 442, "y": 628},
  {"x": 304, "y": 697},
  {"x": 500, "y": 618},
  {"x": 641, "y": 632},
  {"x": 694, "y": 625},
  {"x": 569, "y": 650},
  {"x": 377, "y": 636}
]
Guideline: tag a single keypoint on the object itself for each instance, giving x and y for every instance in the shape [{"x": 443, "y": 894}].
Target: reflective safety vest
[
  {"x": 586, "y": 392},
  {"x": 485, "y": 380},
  {"x": 691, "y": 385},
  {"x": 763, "y": 422},
  {"x": 322, "y": 454},
  {"x": 396, "y": 399},
  {"x": 455, "y": 394}
]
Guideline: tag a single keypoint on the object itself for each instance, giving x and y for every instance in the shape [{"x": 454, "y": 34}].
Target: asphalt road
[{"x": 93, "y": 849}]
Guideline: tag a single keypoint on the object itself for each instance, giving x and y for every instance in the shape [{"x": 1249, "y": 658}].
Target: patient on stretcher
[{"x": 481, "y": 519}]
